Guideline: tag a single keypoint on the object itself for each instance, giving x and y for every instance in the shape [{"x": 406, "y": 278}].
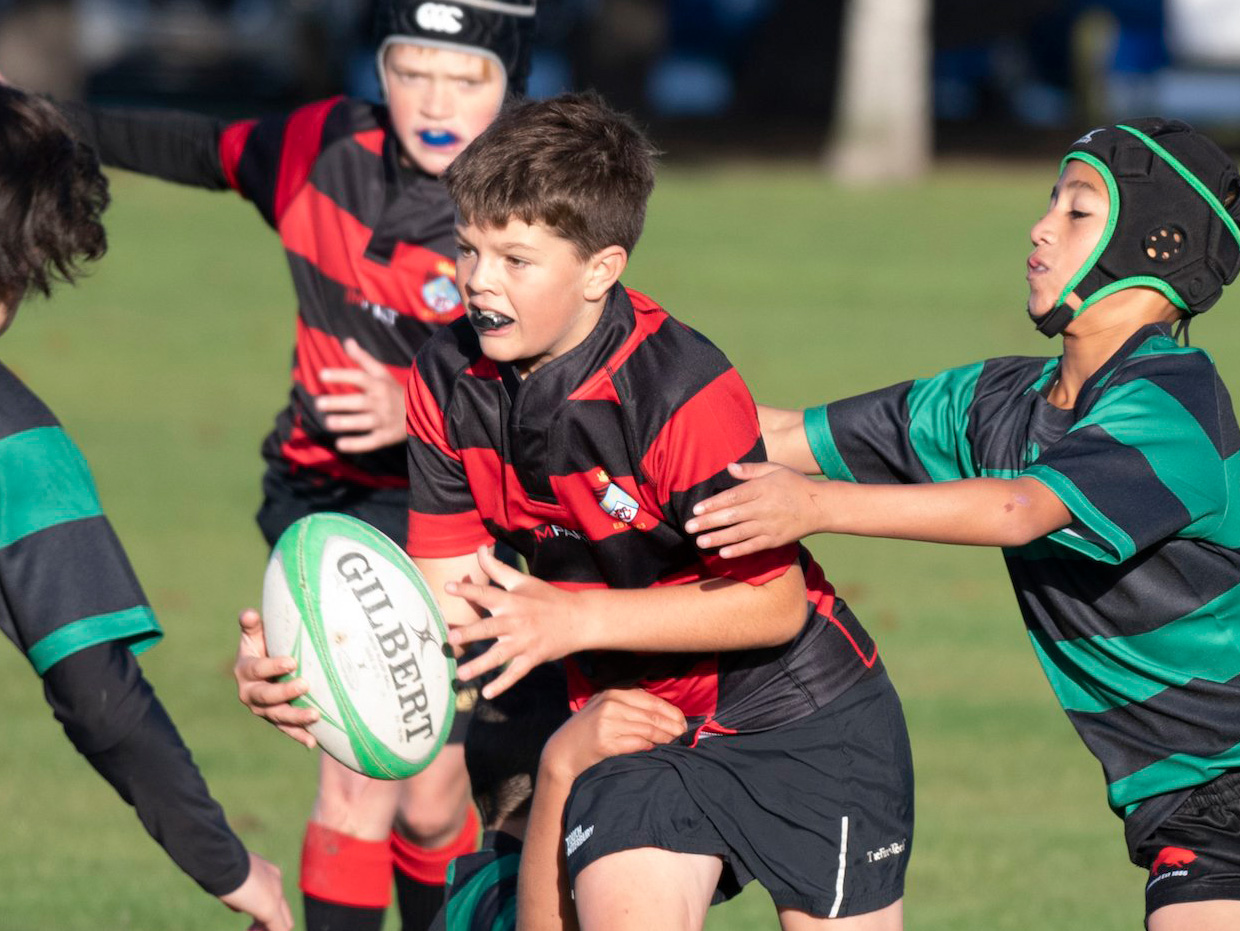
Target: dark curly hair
[{"x": 51, "y": 196}]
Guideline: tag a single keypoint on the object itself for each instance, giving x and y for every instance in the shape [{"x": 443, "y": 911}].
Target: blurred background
[{"x": 760, "y": 77}]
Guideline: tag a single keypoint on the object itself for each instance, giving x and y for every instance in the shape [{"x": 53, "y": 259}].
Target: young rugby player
[
  {"x": 353, "y": 191},
  {"x": 1107, "y": 475},
  {"x": 68, "y": 596},
  {"x": 579, "y": 423}
]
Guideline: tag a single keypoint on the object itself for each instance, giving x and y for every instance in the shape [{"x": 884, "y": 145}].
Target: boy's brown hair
[
  {"x": 570, "y": 163},
  {"x": 52, "y": 194}
]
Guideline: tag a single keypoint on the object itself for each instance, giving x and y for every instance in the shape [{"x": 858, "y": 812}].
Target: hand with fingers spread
[
  {"x": 774, "y": 505},
  {"x": 610, "y": 723},
  {"x": 259, "y": 687},
  {"x": 373, "y": 416},
  {"x": 531, "y": 622}
]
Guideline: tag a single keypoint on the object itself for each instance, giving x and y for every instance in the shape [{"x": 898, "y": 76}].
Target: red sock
[
  {"x": 347, "y": 870},
  {"x": 429, "y": 865}
]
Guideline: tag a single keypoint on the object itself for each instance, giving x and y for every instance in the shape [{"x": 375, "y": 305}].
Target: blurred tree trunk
[{"x": 883, "y": 119}]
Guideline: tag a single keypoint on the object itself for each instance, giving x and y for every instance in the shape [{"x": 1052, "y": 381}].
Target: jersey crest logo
[
  {"x": 440, "y": 295},
  {"x": 440, "y": 17},
  {"x": 619, "y": 504}
]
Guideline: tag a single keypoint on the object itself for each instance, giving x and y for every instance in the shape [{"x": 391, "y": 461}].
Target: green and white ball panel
[{"x": 350, "y": 606}]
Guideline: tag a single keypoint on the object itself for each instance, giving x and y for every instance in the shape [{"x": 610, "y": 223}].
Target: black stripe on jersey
[
  {"x": 391, "y": 343},
  {"x": 894, "y": 461},
  {"x": 1137, "y": 735},
  {"x": 595, "y": 426},
  {"x": 22, "y": 410},
  {"x": 254, "y": 174},
  {"x": 450, "y": 496},
  {"x": 85, "y": 551},
  {"x": 682, "y": 500},
  {"x": 1167, "y": 582},
  {"x": 1193, "y": 381},
  {"x": 662, "y": 351},
  {"x": 1158, "y": 512}
]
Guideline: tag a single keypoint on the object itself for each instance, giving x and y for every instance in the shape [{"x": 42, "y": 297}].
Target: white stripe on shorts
[{"x": 839, "y": 876}]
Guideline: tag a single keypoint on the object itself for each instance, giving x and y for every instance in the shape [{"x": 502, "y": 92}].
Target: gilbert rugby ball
[{"x": 350, "y": 606}]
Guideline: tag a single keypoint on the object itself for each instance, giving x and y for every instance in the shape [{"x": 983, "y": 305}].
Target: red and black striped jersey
[
  {"x": 589, "y": 468},
  {"x": 368, "y": 239}
]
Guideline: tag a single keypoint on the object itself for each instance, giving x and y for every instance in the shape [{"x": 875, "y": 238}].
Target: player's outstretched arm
[
  {"x": 373, "y": 415},
  {"x": 532, "y": 621},
  {"x": 612, "y": 722},
  {"x": 261, "y": 897},
  {"x": 783, "y": 434},
  {"x": 259, "y": 687},
  {"x": 774, "y": 505}
]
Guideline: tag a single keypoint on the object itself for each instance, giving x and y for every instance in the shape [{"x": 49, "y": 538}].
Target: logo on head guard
[
  {"x": 440, "y": 17},
  {"x": 1089, "y": 136},
  {"x": 441, "y": 295}
]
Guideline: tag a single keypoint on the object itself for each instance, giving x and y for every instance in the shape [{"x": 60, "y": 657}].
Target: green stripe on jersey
[
  {"x": 822, "y": 445},
  {"x": 462, "y": 905},
  {"x": 1144, "y": 416},
  {"x": 939, "y": 411},
  {"x": 1178, "y": 771},
  {"x": 137, "y": 626},
  {"x": 1096, "y": 674},
  {"x": 47, "y": 483}
]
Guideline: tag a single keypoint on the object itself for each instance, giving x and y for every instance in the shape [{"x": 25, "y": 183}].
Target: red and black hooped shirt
[
  {"x": 589, "y": 468},
  {"x": 369, "y": 242}
]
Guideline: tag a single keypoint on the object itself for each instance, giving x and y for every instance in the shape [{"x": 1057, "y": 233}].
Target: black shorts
[
  {"x": 286, "y": 501},
  {"x": 1194, "y": 855},
  {"x": 819, "y": 811}
]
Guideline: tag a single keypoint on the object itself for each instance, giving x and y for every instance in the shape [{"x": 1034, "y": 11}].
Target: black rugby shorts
[
  {"x": 819, "y": 811},
  {"x": 1194, "y": 856}
]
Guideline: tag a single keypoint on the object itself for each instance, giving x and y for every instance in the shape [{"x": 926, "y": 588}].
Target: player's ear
[{"x": 603, "y": 269}]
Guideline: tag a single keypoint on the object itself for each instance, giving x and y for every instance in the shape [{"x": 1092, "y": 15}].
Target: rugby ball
[{"x": 350, "y": 606}]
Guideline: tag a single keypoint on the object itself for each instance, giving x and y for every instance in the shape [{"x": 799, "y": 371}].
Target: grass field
[{"x": 169, "y": 362}]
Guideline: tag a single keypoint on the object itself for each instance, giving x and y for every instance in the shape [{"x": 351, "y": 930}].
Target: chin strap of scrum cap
[{"x": 1167, "y": 228}]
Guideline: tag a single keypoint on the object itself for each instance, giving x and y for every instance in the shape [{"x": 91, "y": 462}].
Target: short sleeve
[
  {"x": 1142, "y": 466},
  {"x": 912, "y": 432},
  {"x": 444, "y": 520}
]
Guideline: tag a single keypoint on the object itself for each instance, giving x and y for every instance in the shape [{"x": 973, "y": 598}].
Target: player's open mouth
[
  {"x": 1034, "y": 267},
  {"x": 486, "y": 320},
  {"x": 437, "y": 138}
]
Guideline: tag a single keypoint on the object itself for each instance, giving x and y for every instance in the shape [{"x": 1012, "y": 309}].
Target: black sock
[
  {"x": 419, "y": 903},
  {"x": 330, "y": 916}
]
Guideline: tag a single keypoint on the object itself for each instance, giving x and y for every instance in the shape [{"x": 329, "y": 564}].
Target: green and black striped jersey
[
  {"x": 1134, "y": 608},
  {"x": 65, "y": 582},
  {"x": 482, "y": 887}
]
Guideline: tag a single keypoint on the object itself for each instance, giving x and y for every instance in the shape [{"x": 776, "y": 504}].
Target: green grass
[{"x": 168, "y": 363}]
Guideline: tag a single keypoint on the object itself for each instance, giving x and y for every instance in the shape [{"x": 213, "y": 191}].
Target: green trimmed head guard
[{"x": 1167, "y": 228}]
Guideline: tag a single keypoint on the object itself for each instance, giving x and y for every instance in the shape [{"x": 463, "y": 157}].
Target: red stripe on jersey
[
  {"x": 723, "y": 411},
  {"x": 822, "y": 596},
  {"x": 232, "y": 146},
  {"x": 371, "y": 140},
  {"x": 304, "y": 453},
  {"x": 599, "y": 387},
  {"x": 452, "y": 535},
  {"x": 756, "y": 568},
  {"x": 317, "y": 350},
  {"x": 334, "y": 241},
  {"x": 695, "y": 693},
  {"x": 423, "y": 418},
  {"x": 303, "y": 142},
  {"x": 585, "y": 496}
]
